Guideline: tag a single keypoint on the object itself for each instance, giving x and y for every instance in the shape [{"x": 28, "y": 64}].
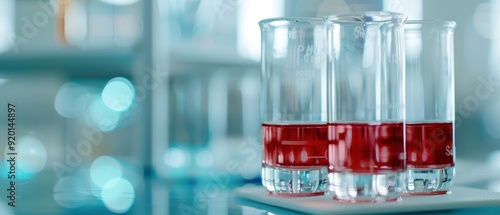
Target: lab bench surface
[{"x": 161, "y": 196}]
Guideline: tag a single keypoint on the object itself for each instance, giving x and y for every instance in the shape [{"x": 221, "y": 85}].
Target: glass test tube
[
  {"x": 294, "y": 106},
  {"x": 366, "y": 74},
  {"x": 430, "y": 110}
]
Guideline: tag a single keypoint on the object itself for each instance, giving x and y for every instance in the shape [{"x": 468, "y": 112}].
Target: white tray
[{"x": 460, "y": 197}]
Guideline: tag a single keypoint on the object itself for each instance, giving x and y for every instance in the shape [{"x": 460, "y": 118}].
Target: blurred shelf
[
  {"x": 187, "y": 54},
  {"x": 99, "y": 62}
]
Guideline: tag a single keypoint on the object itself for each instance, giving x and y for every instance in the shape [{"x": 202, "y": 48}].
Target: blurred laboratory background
[{"x": 152, "y": 106}]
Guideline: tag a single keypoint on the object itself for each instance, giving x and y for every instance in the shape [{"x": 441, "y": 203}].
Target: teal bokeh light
[
  {"x": 102, "y": 117},
  {"x": 118, "y": 195},
  {"x": 118, "y": 94},
  {"x": 103, "y": 169}
]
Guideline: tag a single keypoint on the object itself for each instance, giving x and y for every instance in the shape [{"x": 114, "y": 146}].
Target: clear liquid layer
[
  {"x": 429, "y": 181},
  {"x": 360, "y": 187},
  {"x": 295, "y": 182}
]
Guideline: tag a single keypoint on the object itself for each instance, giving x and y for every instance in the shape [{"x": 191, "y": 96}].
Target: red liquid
[
  {"x": 367, "y": 147},
  {"x": 429, "y": 145},
  {"x": 295, "y": 145}
]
